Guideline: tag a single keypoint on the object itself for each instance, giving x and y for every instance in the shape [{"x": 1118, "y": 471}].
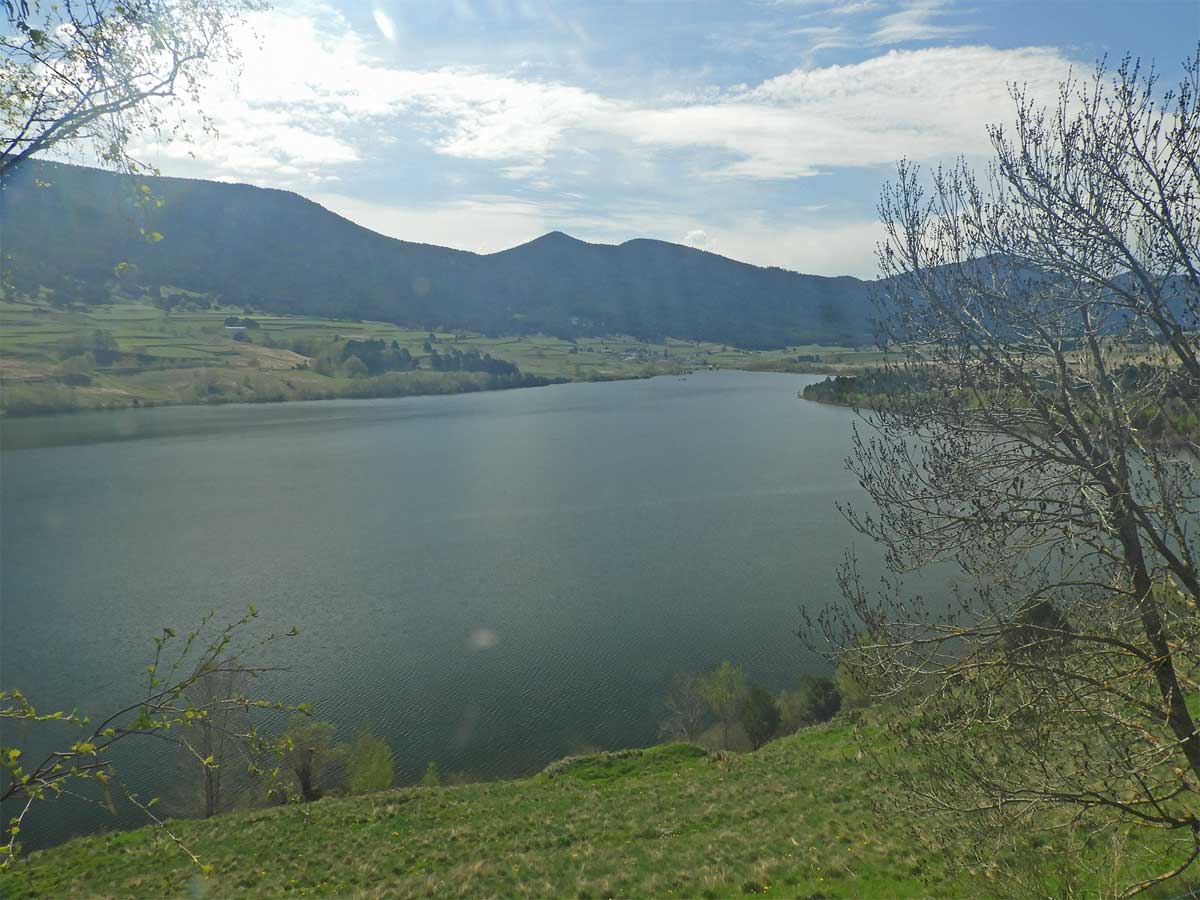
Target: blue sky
[{"x": 759, "y": 129}]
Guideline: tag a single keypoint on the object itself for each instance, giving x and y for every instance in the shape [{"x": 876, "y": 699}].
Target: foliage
[
  {"x": 77, "y": 370},
  {"x": 35, "y": 399},
  {"x": 431, "y": 778},
  {"x": 856, "y": 688},
  {"x": 307, "y": 753},
  {"x": 1038, "y": 441},
  {"x": 354, "y": 368},
  {"x": 213, "y": 737},
  {"x": 685, "y": 707},
  {"x": 100, "y": 72},
  {"x": 368, "y": 765},
  {"x": 471, "y": 361},
  {"x": 816, "y": 699},
  {"x": 723, "y": 690},
  {"x": 759, "y": 716},
  {"x": 174, "y": 702},
  {"x": 99, "y": 343}
]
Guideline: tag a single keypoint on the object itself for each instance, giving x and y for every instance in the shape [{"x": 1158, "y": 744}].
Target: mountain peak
[
  {"x": 551, "y": 240},
  {"x": 556, "y": 237}
]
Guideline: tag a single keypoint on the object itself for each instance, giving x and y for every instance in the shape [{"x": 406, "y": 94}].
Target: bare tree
[
  {"x": 685, "y": 707},
  {"x": 99, "y": 72},
  {"x": 215, "y": 740},
  {"x": 1037, "y": 429}
]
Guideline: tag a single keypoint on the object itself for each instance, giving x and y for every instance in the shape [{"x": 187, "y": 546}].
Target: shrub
[
  {"x": 853, "y": 687},
  {"x": 816, "y": 699},
  {"x": 307, "y": 752},
  {"x": 759, "y": 716},
  {"x": 355, "y": 368},
  {"x": 368, "y": 765},
  {"x": 77, "y": 370},
  {"x": 723, "y": 690}
]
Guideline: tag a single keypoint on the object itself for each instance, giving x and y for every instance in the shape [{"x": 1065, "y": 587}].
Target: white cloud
[
  {"x": 922, "y": 104},
  {"x": 315, "y": 98},
  {"x": 319, "y": 102},
  {"x": 309, "y": 87},
  {"x": 915, "y": 23},
  {"x": 385, "y": 24},
  {"x": 700, "y": 239}
]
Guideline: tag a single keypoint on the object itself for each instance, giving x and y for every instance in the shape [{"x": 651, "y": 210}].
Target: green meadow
[{"x": 794, "y": 819}]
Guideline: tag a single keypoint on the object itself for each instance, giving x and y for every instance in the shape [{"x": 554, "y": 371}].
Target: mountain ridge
[{"x": 280, "y": 252}]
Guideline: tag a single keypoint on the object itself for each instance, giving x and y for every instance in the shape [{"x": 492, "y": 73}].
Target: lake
[{"x": 488, "y": 581}]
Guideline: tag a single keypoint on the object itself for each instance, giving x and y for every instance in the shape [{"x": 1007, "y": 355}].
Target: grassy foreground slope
[{"x": 792, "y": 820}]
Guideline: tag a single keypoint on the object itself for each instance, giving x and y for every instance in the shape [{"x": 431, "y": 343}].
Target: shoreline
[{"x": 525, "y": 381}]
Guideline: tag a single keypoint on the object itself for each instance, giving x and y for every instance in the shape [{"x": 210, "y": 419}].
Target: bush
[
  {"x": 307, "y": 752},
  {"x": 816, "y": 699},
  {"x": 33, "y": 399},
  {"x": 853, "y": 687},
  {"x": 759, "y": 716},
  {"x": 368, "y": 765},
  {"x": 355, "y": 368},
  {"x": 723, "y": 690},
  {"x": 77, "y": 370}
]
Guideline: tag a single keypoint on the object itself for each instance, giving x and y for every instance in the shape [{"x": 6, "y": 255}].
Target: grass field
[
  {"x": 188, "y": 356},
  {"x": 791, "y": 820},
  {"x": 794, "y": 819}
]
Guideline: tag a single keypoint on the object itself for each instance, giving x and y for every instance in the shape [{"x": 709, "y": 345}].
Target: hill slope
[
  {"x": 278, "y": 252},
  {"x": 792, "y": 819}
]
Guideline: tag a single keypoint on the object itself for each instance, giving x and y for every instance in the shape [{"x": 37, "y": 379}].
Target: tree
[
  {"x": 212, "y": 740},
  {"x": 1046, "y": 318},
  {"x": 723, "y": 690},
  {"x": 307, "y": 751},
  {"x": 354, "y": 367},
  {"x": 172, "y": 702},
  {"x": 816, "y": 699},
  {"x": 685, "y": 707},
  {"x": 77, "y": 370},
  {"x": 99, "y": 72},
  {"x": 759, "y": 716},
  {"x": 368, "y": 765},
  {"x": 101, "y": 345}
]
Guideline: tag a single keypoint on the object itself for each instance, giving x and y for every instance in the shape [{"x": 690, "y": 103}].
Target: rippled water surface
[{"x": 490, "y": 581}]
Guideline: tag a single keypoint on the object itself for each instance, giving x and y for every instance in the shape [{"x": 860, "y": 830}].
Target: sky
[{"x": 762, "y": 130}]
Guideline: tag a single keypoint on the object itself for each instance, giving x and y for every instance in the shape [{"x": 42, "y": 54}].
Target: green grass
[
  {"x": 793, "y": 819},
  {"x": 174, "y": 357}
]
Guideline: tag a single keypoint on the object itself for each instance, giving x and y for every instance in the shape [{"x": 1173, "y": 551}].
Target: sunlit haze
[{"x": 758, "y": 130}]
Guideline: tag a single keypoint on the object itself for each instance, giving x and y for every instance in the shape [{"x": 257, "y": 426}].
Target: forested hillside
[{"x": 70, "y": 229}]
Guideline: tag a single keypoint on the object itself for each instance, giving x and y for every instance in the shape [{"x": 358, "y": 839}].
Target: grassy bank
[
  {"x": 794, "y": 819},
  {"x": 186, "y": 354}
]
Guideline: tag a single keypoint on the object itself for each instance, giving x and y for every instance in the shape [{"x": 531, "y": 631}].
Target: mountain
[{"x": 278, "y": 252}]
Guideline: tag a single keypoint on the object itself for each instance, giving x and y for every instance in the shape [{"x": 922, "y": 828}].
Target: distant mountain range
[{"x": 278, "y": 252}]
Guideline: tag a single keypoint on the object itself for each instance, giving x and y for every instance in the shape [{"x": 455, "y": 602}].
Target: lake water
[{"x": 489, "y": 581}]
